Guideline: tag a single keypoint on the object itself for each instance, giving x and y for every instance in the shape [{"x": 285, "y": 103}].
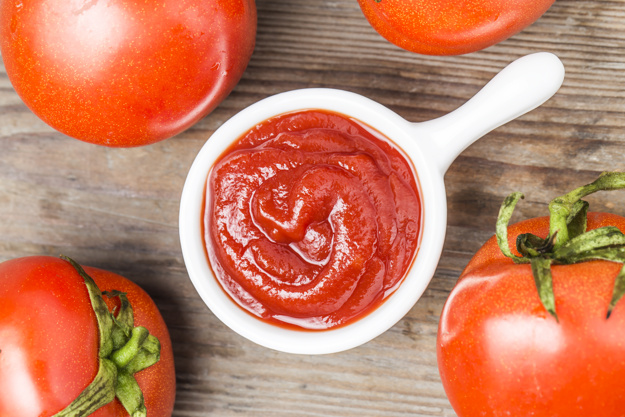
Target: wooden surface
[{"x": 117, "y": 208}]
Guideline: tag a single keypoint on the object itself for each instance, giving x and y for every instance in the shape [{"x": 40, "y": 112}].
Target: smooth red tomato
[
  {"x": 49, "y": 339},
  {"x": 450, "y": 27},
  {"x": 500, "y": 353},
  {"x": 125, "y": 72}
]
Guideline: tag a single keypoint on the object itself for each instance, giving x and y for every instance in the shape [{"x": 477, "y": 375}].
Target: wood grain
[{"x": 118, "y": 208}]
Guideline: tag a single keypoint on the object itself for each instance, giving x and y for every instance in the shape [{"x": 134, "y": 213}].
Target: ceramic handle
[{"x": 520, "y": 87}]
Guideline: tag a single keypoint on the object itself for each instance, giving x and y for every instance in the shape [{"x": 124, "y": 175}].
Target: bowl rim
[{"x": 397, "y": 305}]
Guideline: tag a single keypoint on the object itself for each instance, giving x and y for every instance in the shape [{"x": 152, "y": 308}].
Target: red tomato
[
  {"x": 450, "y": 27},
  {"x": 49, "y": 339},
  {"x": 125, "y": 72},
  {"x": 500, "y": 353}
]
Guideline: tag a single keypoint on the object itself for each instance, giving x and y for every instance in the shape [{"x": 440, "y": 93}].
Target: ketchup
[{"x": 312, "y": 219}]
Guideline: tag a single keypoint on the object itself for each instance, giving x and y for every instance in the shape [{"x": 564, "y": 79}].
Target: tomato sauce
[{"x": 312, "y": 219}]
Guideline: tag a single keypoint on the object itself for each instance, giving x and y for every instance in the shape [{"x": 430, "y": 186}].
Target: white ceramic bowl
[{"x": 431, "y": 146}]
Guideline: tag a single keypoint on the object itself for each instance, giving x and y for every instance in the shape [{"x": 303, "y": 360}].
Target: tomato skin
[
  {"x": 501, "y": 354},
  {"x": 125, "y": 72},
  {"x": 49, "y": 339},
  {"x": 450, "y": 27}
]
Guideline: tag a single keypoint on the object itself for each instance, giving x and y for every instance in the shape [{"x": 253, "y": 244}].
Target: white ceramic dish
[{"x": 432, "y": 146}]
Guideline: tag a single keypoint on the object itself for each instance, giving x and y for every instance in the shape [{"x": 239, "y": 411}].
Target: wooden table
[{"x": 117, "y": 208}]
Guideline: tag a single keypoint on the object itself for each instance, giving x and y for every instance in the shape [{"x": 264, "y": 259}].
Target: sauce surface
[{"x": 312, "y": 219}]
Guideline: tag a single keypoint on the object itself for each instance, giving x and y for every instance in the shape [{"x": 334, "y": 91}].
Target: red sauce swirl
[{"x": 312, "y": 219}]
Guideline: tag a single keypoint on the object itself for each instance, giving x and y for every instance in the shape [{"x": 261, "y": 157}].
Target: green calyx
[
  {"x": 568, "y": 242},
  {"x": 124, "y": 350}
]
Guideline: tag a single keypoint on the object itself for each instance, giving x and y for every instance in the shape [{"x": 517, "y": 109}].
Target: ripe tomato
[
  {"x": 450, "y": 27},
  {"x": 502, "y": 349},
  {"x": 125, "y": 72},
  {"x": 49, "y": 339}
]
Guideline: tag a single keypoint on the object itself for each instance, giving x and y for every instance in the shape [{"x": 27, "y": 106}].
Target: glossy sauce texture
[{"x": 312, "y": 219}]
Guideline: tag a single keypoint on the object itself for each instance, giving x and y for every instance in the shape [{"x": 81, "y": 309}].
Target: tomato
[
  {"x": 49, "y": 341},
  {"x": 125, "y": 72},
  {"x": 503, "y": 352},
  {"x": 450, "y": 27}
]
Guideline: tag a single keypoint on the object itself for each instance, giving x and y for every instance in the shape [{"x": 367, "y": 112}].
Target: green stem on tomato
[
  {"x": 563, "y": 209},
  {"x": 122, "y": 356},
  {"x": 541, "y": 269},
  {"x": 104, "y": 318},
  {"x": 129, "y": 393},
  {"x": 148, "y": 355},
  {"x": 99, "y": 393},
  {"x": 619, "y": 290},
  {"x": 124, "y": 319},
  {"x": 568, "y": 241},
  {"x": 123, "y": 351},
  {"x": 505, "y": 213}
]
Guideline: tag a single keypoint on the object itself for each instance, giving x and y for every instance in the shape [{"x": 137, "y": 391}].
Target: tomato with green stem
[
  {"x": 539, "y": 330},
  {"x": 80, "y": 341}
]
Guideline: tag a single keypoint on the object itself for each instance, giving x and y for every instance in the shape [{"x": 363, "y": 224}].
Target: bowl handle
[{"x": 520, "y": 87}]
